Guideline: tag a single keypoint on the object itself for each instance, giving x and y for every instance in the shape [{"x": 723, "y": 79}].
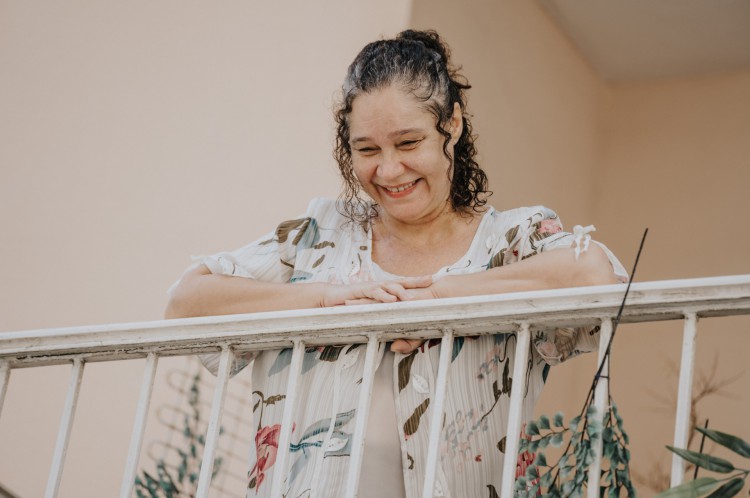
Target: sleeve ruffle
[
  {"x": 241, "y": 360},
  {"x": 270, "y": 258},
  {"x": 541, "y": 230},
  {"x": 558, "y": 345}
]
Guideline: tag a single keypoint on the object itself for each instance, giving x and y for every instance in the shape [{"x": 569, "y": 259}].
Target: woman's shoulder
[{"x": 328, "y": 211}]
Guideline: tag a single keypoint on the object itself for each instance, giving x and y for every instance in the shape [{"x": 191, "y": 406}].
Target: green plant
[
  {"x": 724, "y": 487},
  {"x": 167, "y": 484},
  {"x": 569, "y": 475},
  {"x": 707, "y": 384}
]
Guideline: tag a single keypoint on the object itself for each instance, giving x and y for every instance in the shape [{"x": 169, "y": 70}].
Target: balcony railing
[{"x": 687, "y": 300}]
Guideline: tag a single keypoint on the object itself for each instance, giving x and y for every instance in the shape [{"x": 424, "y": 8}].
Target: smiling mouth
[{"x": 401, "y": 188}]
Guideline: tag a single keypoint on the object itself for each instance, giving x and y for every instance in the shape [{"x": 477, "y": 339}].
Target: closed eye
[
  {"x": 408, "y": 144},
  {"x": 367, "y": 150}
]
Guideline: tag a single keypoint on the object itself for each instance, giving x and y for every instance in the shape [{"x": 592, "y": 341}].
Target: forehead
[{"x": 385, "y": 110}]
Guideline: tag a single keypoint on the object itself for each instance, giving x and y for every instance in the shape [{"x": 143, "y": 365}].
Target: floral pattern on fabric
[
  {"x": 266, "y": 446},
  {"x": 322, "y": 247}
]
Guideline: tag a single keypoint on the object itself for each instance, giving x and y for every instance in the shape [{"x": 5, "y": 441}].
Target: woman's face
[{"x": 397, "y": 154}]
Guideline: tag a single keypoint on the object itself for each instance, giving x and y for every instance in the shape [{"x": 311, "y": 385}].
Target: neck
[{"x": 424, "y": 232}]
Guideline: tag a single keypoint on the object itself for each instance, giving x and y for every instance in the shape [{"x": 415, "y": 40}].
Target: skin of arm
[
  {"x": 202, "y": 293},
  {"x": 553, "y": 269}
]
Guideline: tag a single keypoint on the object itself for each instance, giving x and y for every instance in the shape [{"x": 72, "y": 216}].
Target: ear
[{"x": 456, "y": 124}]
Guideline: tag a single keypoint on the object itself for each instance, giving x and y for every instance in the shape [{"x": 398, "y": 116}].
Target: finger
[
  {"x": 398, "y": 290},
  {"x": 364, "y": 300},
  {"x": 381, "y": 295},
  {"x": 416, "y": 282},
  {"x": 405, "y": 345}
]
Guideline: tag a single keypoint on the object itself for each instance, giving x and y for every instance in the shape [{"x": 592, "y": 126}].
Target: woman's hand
[
  {"x": 405, "y": 289},
  {"x": 389, "y": 291}
]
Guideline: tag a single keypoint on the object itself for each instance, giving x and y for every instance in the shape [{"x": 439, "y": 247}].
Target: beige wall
[
  {"x": 132, "y": 135},
  {"x": 675, "y": 157}
]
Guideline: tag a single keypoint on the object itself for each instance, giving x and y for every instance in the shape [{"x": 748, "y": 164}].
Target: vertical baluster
[
  {"x": 684, "y": 394},
  {"x": 214, "y": 423},
  {"x": 601, "y": 402},
  {"x": 363, "y": 409},
  {"x": 139, "y": 426},
  {"x": 279, "y": 473},
  {"x": 4, "y": 379},
  {"x": 514, "y": 416},
  {"x": 436, "y": 418},
  {"x": 66, "y": 424}
]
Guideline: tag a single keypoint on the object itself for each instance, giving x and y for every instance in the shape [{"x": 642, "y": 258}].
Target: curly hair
[{"x": 419, "y": 62}]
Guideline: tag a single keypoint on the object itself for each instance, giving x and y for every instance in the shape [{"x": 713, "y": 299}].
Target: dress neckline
[{"x": 379, "y": 272}]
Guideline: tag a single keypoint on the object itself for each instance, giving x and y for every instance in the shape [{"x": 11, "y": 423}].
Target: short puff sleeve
[
  {"x": 541, "y": 230},
  {"x": 270, "y": 259}
]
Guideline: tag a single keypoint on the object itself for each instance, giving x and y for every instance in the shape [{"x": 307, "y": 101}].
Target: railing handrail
[
  {"x": 521, "y": 312},
  {"x": 648, "y": 301}
]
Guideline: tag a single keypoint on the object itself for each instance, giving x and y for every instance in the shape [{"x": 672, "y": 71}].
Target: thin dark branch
[
  {"x": 597, "y": 376},
  {"x": 619, "y": 312},
  {"x": 703, "y": 440}
]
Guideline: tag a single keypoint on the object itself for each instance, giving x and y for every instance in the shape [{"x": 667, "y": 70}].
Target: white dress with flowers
[{"x": 322, "y": 246}]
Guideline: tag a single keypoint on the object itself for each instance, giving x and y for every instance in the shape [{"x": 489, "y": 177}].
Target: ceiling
[{"x": 642, "y": 40}]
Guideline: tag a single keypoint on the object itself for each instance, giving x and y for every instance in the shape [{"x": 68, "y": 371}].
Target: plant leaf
[
  {"x": 556, "y": 440},
  {"x": 574, "y": 422},
  {"x": 690, "y": 489},
  {"x": 734, "y": 443},
  {"x": 532, "y": 429},
  {"x": 703, "y": 460},
  {"x": 543, "y": 422},
  {"x": 730, "y": 488},
  {"x": 558, "y": 420}
]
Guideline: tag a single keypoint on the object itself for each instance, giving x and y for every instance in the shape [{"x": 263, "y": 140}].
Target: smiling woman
[
  {"x": 425, "y": 232},
  {"x": 397, "y": 156}
]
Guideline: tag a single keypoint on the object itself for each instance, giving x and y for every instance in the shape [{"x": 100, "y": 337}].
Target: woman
[{"x": 404, "y": 139}]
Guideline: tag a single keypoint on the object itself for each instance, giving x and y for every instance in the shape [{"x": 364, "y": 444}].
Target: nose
[{"x": 390, "y": 167}]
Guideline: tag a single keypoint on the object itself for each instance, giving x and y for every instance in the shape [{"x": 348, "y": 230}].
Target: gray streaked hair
[{"x": 419, "y": 63}]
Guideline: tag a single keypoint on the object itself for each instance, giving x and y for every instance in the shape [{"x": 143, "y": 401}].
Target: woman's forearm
[
  {"x": 201, "y": 293},
  {"x": 553, "y": 269}
]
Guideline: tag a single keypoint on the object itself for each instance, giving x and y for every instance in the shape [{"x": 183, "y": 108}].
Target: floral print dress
[{"x": 323, "y": 246}]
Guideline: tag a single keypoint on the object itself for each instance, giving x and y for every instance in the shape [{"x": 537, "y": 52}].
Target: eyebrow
[{"x": 396, "y": 133}]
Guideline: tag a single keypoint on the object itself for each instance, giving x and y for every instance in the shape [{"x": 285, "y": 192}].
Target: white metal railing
[{"x": 446, "y": 318}]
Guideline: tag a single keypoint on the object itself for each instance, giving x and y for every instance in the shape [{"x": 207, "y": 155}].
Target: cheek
[
  {"x": 359, "y": 169},
  {"x": 363, "y": 172},
  {"x": 441, "y": 165}
]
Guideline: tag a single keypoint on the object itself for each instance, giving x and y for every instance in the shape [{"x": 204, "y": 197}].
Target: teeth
[{"x": 401, "y": 188}]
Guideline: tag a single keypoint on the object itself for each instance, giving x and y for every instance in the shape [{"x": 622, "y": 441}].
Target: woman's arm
[
  {"x": 202, "y": 293},
  {"x": 552, "y": 269}
]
